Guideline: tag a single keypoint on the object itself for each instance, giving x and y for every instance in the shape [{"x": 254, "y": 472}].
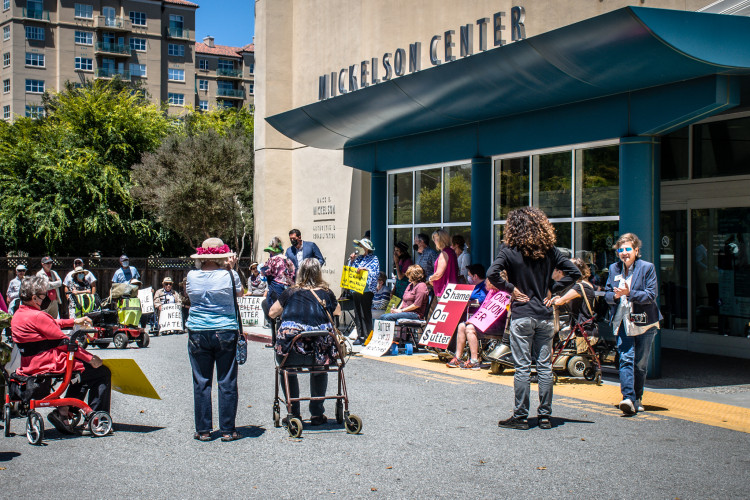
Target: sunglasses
[{"x": 626, "y": 249}]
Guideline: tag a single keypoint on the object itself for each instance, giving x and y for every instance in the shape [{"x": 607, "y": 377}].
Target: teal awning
[{"x": 622, "y": 51}]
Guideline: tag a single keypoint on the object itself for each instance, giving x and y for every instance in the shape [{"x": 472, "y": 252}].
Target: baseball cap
[
  {"x": 123, "y": 257},
  {"x": 167, "y": 280},
  {"x": 76, "y": 261},
  {"x": 20, "y": 267},
  {"x": 46, "y": 260}
]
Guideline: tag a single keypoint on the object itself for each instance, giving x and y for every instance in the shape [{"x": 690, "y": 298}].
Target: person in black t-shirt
[{"x": 580, "y": 313}]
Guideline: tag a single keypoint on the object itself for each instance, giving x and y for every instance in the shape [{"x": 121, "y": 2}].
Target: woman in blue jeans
[
  {"x": 631, "y": 291},
  {"x": 213, "y": 332}
]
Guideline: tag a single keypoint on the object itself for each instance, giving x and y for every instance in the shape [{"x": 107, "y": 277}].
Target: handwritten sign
[
  {"x": 382, "y": 338},
  {"x": 447, "y": 314},
  {"x": 353, "y": 280},
  {"x": 170, "y": 318},
  {"x": 395, "y": 301},
  {"x": 494, "y": 307},
  {"x": 251, "y": 312},
  {"x": 146, "y": 297}
]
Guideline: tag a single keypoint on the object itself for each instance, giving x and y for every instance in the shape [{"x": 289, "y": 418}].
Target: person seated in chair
[
  {"x": 414, "y": 303},
  {"x": 43, "y": 350}
]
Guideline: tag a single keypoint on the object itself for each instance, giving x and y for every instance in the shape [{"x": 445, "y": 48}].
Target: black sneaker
[
  {"x": 544, "y": 422},
  {"x": 514, "y": 423}
]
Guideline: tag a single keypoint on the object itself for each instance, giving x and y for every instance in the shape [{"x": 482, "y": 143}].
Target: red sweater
[{"x": 32, "y": 325}]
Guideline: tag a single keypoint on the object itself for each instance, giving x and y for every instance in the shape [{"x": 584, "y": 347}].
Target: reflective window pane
[
  {"x": 395, "y": 235},
  {"x": 511, "y": 185},
  {"x": 457, "y": 194},
  {"x": 401, "y": 196},
  {"x": 562, "y": 230},
  {"x": 428, "y": 189},
  {"x": 673, "y": 278},
  {"x": 675, "y": 152},
  {"x": 598, "y": 181},
  {"x": 497, "y": 238},
  {"x": 594, "y": 242},
  {"x": 551, "y": 188},
  {"x": 721, "y": 148}
]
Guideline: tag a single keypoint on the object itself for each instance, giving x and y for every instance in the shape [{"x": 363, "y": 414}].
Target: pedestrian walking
[
  {"x": 213, "y": 332},
  {"x": 55, "y": 287},
  {"x": 631, "y": 292},
  {"x": 301, "y": 250},
  {"x": 529, "y": 257},
  {"x": 126, "y": 271},
  {"x": 363, "y": 259}
]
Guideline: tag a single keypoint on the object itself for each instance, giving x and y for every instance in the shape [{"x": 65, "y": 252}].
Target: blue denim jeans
[
  {"x": 398, "y": 316},
  {"x": 634, "y": 354},
  {"x": 206, "y": 349},
  {"x": 529, "y": 336}
]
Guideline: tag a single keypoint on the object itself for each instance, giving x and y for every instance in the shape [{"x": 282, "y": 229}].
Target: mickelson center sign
[{"x": 365, "y": 73}]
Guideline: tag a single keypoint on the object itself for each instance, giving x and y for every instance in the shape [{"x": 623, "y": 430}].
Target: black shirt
[
  {"x": 301, "y": 307},
  {"x": 533, "y": 277},
  {"x": 579, "y": 311}
]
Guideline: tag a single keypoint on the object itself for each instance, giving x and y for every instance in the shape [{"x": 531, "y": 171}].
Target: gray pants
[{"x": 529, "y": 336}]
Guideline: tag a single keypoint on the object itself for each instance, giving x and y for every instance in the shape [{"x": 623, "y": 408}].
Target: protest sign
[
  {"x": 441, "y": 325},
  {"x": 394, "y": 302},
  {"x": 353, "y": 280},
  {"x": 494, "y": 307},
  {"x": 382, "y": 338},
  {"x": 170, "y": 318},
  {"x": 128, "y": 378},
  {"x": 146, "y": 296},
  {"x": 251, "y": 312}
]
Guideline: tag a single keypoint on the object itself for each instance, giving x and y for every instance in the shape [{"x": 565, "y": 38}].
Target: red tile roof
[
  {"x": 250, "y": 47},
  {"x": 221, "y": 50},
  {"x": 182, "y": 2}
]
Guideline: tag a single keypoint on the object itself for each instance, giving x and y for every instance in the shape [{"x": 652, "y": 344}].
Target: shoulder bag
[
  {"x": 241, "y": 354},
  {"x": 593, "y": 328},
  {"x": 342, "y": 346}
]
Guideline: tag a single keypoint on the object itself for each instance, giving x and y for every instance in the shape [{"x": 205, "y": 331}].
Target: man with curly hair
[{"x": 529, "y": 257}]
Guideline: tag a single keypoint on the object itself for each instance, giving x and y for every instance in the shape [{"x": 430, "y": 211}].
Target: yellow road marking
[
  {"x": 657, "y": 405},
  {"x": 428, "y": 375}
]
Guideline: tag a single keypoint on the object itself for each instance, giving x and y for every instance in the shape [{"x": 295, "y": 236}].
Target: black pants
[
  {"x": 363, "y": 313},
  {"x": 318, "y": 385},
  {"x": 97, "y": 382},
  {"x": 274, "y": 291}
]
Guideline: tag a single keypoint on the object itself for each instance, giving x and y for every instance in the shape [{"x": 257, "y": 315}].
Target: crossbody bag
[{"x": 340, "y": 340}]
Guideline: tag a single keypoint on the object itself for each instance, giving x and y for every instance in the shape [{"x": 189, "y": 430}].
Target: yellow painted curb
[{"x": 657, "y": 404}]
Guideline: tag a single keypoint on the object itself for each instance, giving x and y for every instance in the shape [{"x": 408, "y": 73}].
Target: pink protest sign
[{"x": 494, "y": 307}]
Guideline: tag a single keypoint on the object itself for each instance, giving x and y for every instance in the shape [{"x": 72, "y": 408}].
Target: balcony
[
  {"x": 114, "y": 23},
  {"x": 113, "y": 49},
  {"x": 36, "y": 15},
  {"x": 229, "y": 73},
  {"x": 179, "y": 33},
  {"x": 112, "y": 73},
  {"x": 231, "y": 93}
]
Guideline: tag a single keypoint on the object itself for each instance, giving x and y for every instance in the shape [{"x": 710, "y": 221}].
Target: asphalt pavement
[{"x": 425, "y": 435}]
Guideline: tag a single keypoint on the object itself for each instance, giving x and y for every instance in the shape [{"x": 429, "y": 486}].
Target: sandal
[
  {"x": 231, "y": 437},
  {"x": 60, "y": 423},
  {"x": 202, "y": 436}
]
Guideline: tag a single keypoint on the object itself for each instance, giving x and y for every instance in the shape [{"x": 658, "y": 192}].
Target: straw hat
[
  {"x": 212, "y": 248},
  {"x": 365, "y": 243}
]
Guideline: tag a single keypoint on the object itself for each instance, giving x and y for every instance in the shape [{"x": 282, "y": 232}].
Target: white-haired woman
[{"x": 213, "y": 331}]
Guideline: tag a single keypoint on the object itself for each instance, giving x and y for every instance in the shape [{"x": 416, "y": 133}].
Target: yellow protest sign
[
  {"x": 128, "y": 378},
  {"x": 354, "y": 280},
  {"x": 395, "y": 301}
]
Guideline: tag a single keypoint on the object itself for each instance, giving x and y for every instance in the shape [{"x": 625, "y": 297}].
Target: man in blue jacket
[{"x": 301, "y": 250}]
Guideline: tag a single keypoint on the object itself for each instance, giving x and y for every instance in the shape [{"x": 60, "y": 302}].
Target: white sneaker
[
  {"x": 626, "y": 406},
  {"x": 638, "y": 405}
]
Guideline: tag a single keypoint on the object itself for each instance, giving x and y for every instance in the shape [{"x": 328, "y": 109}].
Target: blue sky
[{"x": 230, "y": 22}]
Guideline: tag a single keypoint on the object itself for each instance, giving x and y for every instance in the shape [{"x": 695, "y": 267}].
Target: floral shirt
[
  {"x": 280, "y": 270},
  {"x": 371, "y": 263}
]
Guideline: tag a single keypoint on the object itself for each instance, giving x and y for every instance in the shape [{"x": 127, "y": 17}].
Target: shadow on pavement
[
  {"x": 7, "y": 456},
  {"x": 143, "y": 429},
  {"x": 250, "y": 431},
  {"x": 559, "y": 421}
]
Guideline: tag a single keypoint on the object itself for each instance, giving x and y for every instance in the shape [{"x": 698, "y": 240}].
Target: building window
[
  {"x": 138, "y": 18},
  {"x": 225, "y": 64},
  {"x": 6, "y": 112},
  {"x": 252, "y": 68},
  {"x": 84, "y": 38},
  {"x": 203, "y": 64},
  {"x": 35, "y": 86},
  {"x": 34, "y": 33},
  {"x": 138, "y": 70},
  {"x": 34, "y": 59},
  {"x": 6, "y": 32},
  {"x": 203, "y": 85},
  {"x": 6, "y": 85},
  {"x": 6, "y": 59},
  {"x": 175, "y": 49},
  {"x": 138, "y": 44},
  {"x": 34, "y": 111},
  {"x": 176, "y": 99},
  {"x": 250, "y": 87},
  {"x": 203, "y": 105},
  {"x": 84, "y": 11},
  {"x": 176, "y": 75},
  {"x": 84, "y": 64},
  {"x": 6, "y": 4}
]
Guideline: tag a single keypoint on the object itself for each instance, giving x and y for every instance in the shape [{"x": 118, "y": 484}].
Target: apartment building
[
  {"x": 48, "y": 42},
  {"x": 224, "y": 75}
]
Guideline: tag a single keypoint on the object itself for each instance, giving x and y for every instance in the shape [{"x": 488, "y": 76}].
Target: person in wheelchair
[
  {"x": 467, "y": 331},
  {"x": 308, "y": 305},
  {"x": 43, "y": 351}
]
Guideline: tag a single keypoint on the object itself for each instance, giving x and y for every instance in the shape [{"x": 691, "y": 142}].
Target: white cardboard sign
[
  {"x": 170, "y": 318},
  {"x": 251, "y": 312},
  {"x": 382, "y": 339},
  {"x": 147, "y": 301}
]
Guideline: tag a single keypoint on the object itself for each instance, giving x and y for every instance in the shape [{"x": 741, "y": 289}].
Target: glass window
[
  {"x": 551, "y": 183},
  {"x": 203, "y": 105},
  {"x": 203, "y": 85},
  {"x": 250, "y": 88},
  {"x": 594, "y": 240},
  {"x": 84, "y": 10},
  {"x": 34, "y": 59},
  {"x": 675, "y": 151},
  {"x": 176, "y": 99},
  {"x": 428, "y": 188},
  {"x": 6, "y": 4},
  {"x": 34, "y": 111},
  {"x": 84, "y": 38},
  {"x": 138, "y": 18},
  {"x": 562, "y": 231},
  {"x": 176, "y": 75},
  {"x": 223, "y": 85},
  {"x": 84, "y": 63},
  {"x": 34, "y": 33},
  {"x": 673, "y": 295},
  {"x": 35, "y": 86},
  {"x": 720, "y": 286},
  {"x": 457, "y": 194},
  {"x": 175, "y": 49},
  {"x": 401, "y": 195},
  {"x": 252, "y": 68},
  {"x": 138, "y": 70},
  {"x": 6, "y": 32},
  {"x": 138, "y": 44},
  {"x": 6, "y": 59},
  {"x": 6, "y": 85},
  {"x": 203, "y": 64},
  {"x": 225, "y": 64},
  {"x": 511, "y": 185},
  {"x": 598, "y": 181},
  {"x": 721, "y": 148},
  {"x": 6, "y": 112}
]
